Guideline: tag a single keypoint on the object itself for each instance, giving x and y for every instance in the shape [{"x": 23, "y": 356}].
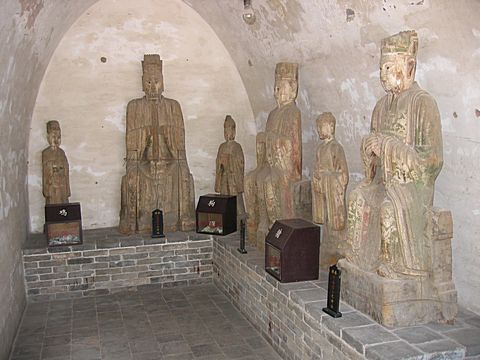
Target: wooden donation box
[
  {"x": 216, "y": 214},
  {"x": 292, "y": 249},
  {"x": 63, "y": 224}
]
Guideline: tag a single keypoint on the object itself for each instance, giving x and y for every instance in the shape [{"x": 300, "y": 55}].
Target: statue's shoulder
[
  {"x": 421, "y": 96},
  {"x": 136, "y": 102},
  {"x": 171, "y": 102}
]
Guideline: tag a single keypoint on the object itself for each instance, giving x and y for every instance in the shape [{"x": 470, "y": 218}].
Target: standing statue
[
  {"x": 157, "y": 173},
  {"x": 329, "y": 184},
  {"x": 230, "y": 169},
  {"x": 283, "y": 154},
  {"x": 391, "y": 219},
  {"x": 330, "y": 177},
  {"x": 254, "y": 193},
  {"x": 56, "y": 184}
]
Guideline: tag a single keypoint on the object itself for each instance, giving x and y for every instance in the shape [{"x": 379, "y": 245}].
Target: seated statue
[
  {"x": 283, "y": 156},
  {"x": 329, "y": 184},
  {"x": 230, "y": 167},
  {"x": 157, "y": 173},
  {"x": 390, "y": 213},
  {"x": 56, "y": 184}
]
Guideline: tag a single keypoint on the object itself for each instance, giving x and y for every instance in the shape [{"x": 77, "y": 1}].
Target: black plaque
[
  {"x": 333, "y": 300},
  {"x": 157, "y": 224},
  {"x": 242, "y": 249}
]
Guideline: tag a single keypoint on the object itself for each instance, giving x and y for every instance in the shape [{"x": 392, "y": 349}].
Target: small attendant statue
[
  {"x": 56, "y": 185},
  {"x": 230, "y": 167},
  {"x": 330, "y": 177}
]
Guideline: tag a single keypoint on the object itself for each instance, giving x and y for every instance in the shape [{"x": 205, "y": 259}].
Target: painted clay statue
[
  {"x": 230, "y": 167},
  {"x": 283, "y": 154},
  {"x": 391, "y": 219},
  {"x": 56, "y": 184},
  {"x": 330, "y": 177},
  {"x": 157, "y": 172}
]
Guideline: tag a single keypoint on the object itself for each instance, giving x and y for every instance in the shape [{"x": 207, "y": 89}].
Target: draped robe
[
  {"x": 157, "y": 175},
  {"x": 403, "y": 177}
]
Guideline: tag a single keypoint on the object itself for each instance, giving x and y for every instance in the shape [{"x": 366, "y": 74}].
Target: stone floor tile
[
  {"x": 470, "y": 338},
  {"x": 348, "y": 320},
  {"x": 57, "y": 340},
  {"x": 302, "y": 297},
  {"x": 439, "y": 327},
  {"x": 188, "y": 356},
  {"x": 398, "y": 350},
  {"x": 85, "y": 352},
  {"x": 237, "y": 351},
  {"x": 144, "y": 344},
  {"x": 418, "y": 334},
  {"x": 27, "y": 351},
  {"x": 175, "y": 347},
  {"x": 205, "y": 350},
  {"x": 443, "y": 349},
  {"x": 256, "y": 342},
  {"x": 286, "y": 288},
  {"x": 148, "y": 356},
  {"x": 359, "y": 337},
  {"x": 57, "y": 351}
]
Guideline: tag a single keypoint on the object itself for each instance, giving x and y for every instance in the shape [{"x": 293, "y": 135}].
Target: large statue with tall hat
[
  {"x": 157, "y": 172},
  {"x": 56, "y": 183},
  {"x": 398, "y": 243},
  {"x": 283, "y": 155},
  {"x": 230, "y": 167}
]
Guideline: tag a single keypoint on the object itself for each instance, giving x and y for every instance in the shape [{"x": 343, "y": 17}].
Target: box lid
[{"x": 214, "y": 203}]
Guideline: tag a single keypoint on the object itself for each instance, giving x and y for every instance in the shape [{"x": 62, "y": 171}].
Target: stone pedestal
[{"x": 409, "y": 301}]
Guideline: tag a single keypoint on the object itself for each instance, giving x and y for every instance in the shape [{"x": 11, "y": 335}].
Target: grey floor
[{"x": 182, "y": 323}]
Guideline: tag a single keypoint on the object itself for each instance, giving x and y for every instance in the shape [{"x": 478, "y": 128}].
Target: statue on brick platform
[
  {"x": 283, "y": 154},
  {"x": 394, "y": 233},
  {"x": 158, "y": 176},
  {"x": 329, "y": 185},
  {"x": 56, "y": 184},
  {"x": 230, "y": 167}
]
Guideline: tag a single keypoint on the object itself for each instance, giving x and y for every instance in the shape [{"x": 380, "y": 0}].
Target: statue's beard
[{"x": 393, "y": 85}]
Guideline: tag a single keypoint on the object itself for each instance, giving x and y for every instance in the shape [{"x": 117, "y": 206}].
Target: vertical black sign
[
  {"x": 242, "y": 249},
  {"x": 157, "y": 223},
  {"x": 333, "y": 299}
]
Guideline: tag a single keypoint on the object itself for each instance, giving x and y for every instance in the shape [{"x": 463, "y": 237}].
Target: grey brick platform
[
  {"x": 290, "y": 317},
  {"x": 108, "y": 261}
]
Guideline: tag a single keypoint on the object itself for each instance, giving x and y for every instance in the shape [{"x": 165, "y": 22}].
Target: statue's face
[
  {"x": 54, "y": 138},
  {"x": 397, "y": 72},
  {"x": 229, "y": 132},
  {"x": 285, "y": 91},
  {"x": 152, "y": 83},
  {"x": 325, "y": 129}
]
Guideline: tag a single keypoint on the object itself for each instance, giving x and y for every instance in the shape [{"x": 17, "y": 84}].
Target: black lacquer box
[
  {"x": 63, "y": 224},
  {"x": 216, "y": 214},
  {"x": 292, "y": 249}
]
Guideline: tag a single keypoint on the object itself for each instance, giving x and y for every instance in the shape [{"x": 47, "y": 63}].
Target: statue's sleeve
[
  {"x": 370, "y": 160},
  {"x": 132, "y": 134},
  {"x": 67, "y": 176},
  {"x": 340, "y": 164},
  {"x": 428, "y": 139},
  {"x": 218, "y": 172},
  {"x": 45, "y": 175},
  {"x": 176, "y": 132},
  {"x": 239, "y": 163}
]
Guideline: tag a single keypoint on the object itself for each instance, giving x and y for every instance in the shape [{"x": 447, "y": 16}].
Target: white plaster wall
[{"x": 89, "y": 98}]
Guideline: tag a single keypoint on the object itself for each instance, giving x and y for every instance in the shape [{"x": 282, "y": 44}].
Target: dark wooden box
[
  {"x": 216, "y": 214},
  {"x": 292, "y": 249},
  {"x": 63, "y": 224}
]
